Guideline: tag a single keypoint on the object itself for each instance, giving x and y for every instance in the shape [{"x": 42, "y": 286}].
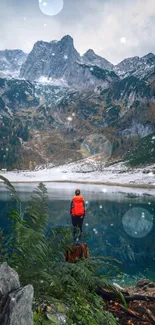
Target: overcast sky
[{"x": 114, "y": 29}]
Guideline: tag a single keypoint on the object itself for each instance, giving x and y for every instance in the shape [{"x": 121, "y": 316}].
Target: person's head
[{"x": 77, "y": 192}]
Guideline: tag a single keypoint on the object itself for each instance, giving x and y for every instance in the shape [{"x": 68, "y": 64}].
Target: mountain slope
[
  {"x": 55, "y": 123},
  {"x": 11, "y": 62},
  {"x": 68, "y": 106},
  {"x": 59, "y": 62},
  {"x": 51, "y": 60},
  {"x": 144, "y": 153},
  {"x": 136, "y": 66},
  {"x": 91, "y": 58}
]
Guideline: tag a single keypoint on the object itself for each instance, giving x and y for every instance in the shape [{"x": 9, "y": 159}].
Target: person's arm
[
  {"x": 71, "y": 207},
  {"x": 84, "y": 208}
]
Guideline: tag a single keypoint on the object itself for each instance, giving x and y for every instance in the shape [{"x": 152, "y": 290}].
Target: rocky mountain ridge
[
  {"x": 139, "y": 67},
  {"x": 91, "y": 58},
  {"x": 51, "y": 119},
  {"x": 11, "y": 62},
  {"x": 48, "y": 123},
  {"x": 58, "y": 62}
]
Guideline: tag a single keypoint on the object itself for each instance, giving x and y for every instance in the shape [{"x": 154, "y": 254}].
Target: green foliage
[
  {"x": 2, "y": 104},
  {"x": 103, "y": 74},
  {"x": 39, "y": 319},
  {"x": 125, "y": 86},
  {"x": 89, "y": 311},
  {"x": 38, "y": 256},
  {"x": 111, "y": 113},
  {"x": 11, "y": 133},
  {"x": 19, "y": 92},
  {"x": 143, "y": 153},
  {"x": 2, "y": 82}
]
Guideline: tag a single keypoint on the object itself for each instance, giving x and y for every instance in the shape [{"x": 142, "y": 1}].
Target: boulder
[
  {"x": 142, "y": 283},
  {"x": 9, "y": 279},
  {"x": 15, "y": 301}
]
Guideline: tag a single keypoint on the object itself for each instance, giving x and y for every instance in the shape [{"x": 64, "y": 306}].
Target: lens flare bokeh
[
  {"x": 51, "y": 7},
  {"x": 137, "y": 222}
]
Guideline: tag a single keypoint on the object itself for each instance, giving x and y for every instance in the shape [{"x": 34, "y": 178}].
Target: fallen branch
[
  {"x": 150, "y": 315},
  {"x": 112, "y": 296},
  {"x": 131, "y": 312}
]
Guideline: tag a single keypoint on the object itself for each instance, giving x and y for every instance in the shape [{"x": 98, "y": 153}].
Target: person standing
[{"x": 77, "y": 212}]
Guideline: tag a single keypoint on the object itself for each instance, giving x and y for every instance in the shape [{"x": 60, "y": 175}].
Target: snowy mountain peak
[
  {"x": 149, "y": 56},
  {"x": 51, "y": 60},
  {"x": 136, "y": 66},
  {"x": 11, "y": 62},
  {"x": 90, "y": 57},
  {"x": 67, "y": 39},
  {"x": 60, "y": 61},
  {"x": 90, "y": 53}
]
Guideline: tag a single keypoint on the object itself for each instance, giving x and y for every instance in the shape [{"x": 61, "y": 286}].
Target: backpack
[{"x": 78, "y": 206}]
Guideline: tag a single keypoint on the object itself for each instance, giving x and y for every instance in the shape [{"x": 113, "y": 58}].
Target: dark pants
[{"x": 77, "y": 226}]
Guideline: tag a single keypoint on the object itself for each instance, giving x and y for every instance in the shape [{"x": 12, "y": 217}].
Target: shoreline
[
  {"x": 140, "y": 186},
  {"x": 115, "y": 177}
]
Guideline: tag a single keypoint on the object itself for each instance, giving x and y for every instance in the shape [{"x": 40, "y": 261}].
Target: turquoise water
[{"x": 119, "y": 225}]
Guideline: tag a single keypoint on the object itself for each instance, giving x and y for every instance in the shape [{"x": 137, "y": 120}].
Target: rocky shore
[
  {"x": 140, "y": 309},
  {"x": 16, "y": 303}
]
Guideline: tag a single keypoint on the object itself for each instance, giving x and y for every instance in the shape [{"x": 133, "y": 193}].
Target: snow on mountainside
[
  {"x": 136, "y": 66},
  {"x": 91, "y": 58},
  {"x": 61, "y": 98},
  {"x": 11, "y": 62},
  {"x": 53, "y": 59},
  {"x": 60, "y": 61}
]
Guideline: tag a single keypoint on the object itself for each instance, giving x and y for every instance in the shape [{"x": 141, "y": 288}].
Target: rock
[
  {"x": 59, "y": 62},
  {"x": 142, "y": 283},
  {"x": 15, "y": 301},
  {"x": 143, "y": 288},
  {"x": 11, "y": 61},
  {"x": 9, "y": 279},
  {"x": 18, "y": 307},
  {"x": 136, "y": 66},
  {"x": 90, "y": 57},
  {"x": 151, "y": 290},
  {"x": 51, "y": 60},
  {"x": 151, "y": 285}
]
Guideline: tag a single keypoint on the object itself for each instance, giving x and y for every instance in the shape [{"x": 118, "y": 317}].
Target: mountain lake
[{"x": 119, "y": 225}]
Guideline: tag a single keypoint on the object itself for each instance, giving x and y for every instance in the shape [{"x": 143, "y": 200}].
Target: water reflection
[{"x": 110, "y": 224}]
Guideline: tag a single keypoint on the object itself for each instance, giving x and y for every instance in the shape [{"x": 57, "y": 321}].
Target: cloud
[
  {"x": 111, "y": 21},
  {"x": 96, "y": 24}
]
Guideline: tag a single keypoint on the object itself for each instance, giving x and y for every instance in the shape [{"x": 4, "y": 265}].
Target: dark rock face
[
  {"x": 136, "y": 66},
  {"x": 60, "y": 61},
  {"x": 74, "y": 91},
  {"x": 9, "y": 279},
  {"x": 51, "y": 60},
  {"x": 19, "y": 94},
  {"x": 90, "y": 57},
  {"x": 11, "y": 62},
  {"x": 15, "y": 302}
]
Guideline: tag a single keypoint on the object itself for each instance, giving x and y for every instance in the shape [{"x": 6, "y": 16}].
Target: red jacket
[{"x": 77, "y": 206}]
